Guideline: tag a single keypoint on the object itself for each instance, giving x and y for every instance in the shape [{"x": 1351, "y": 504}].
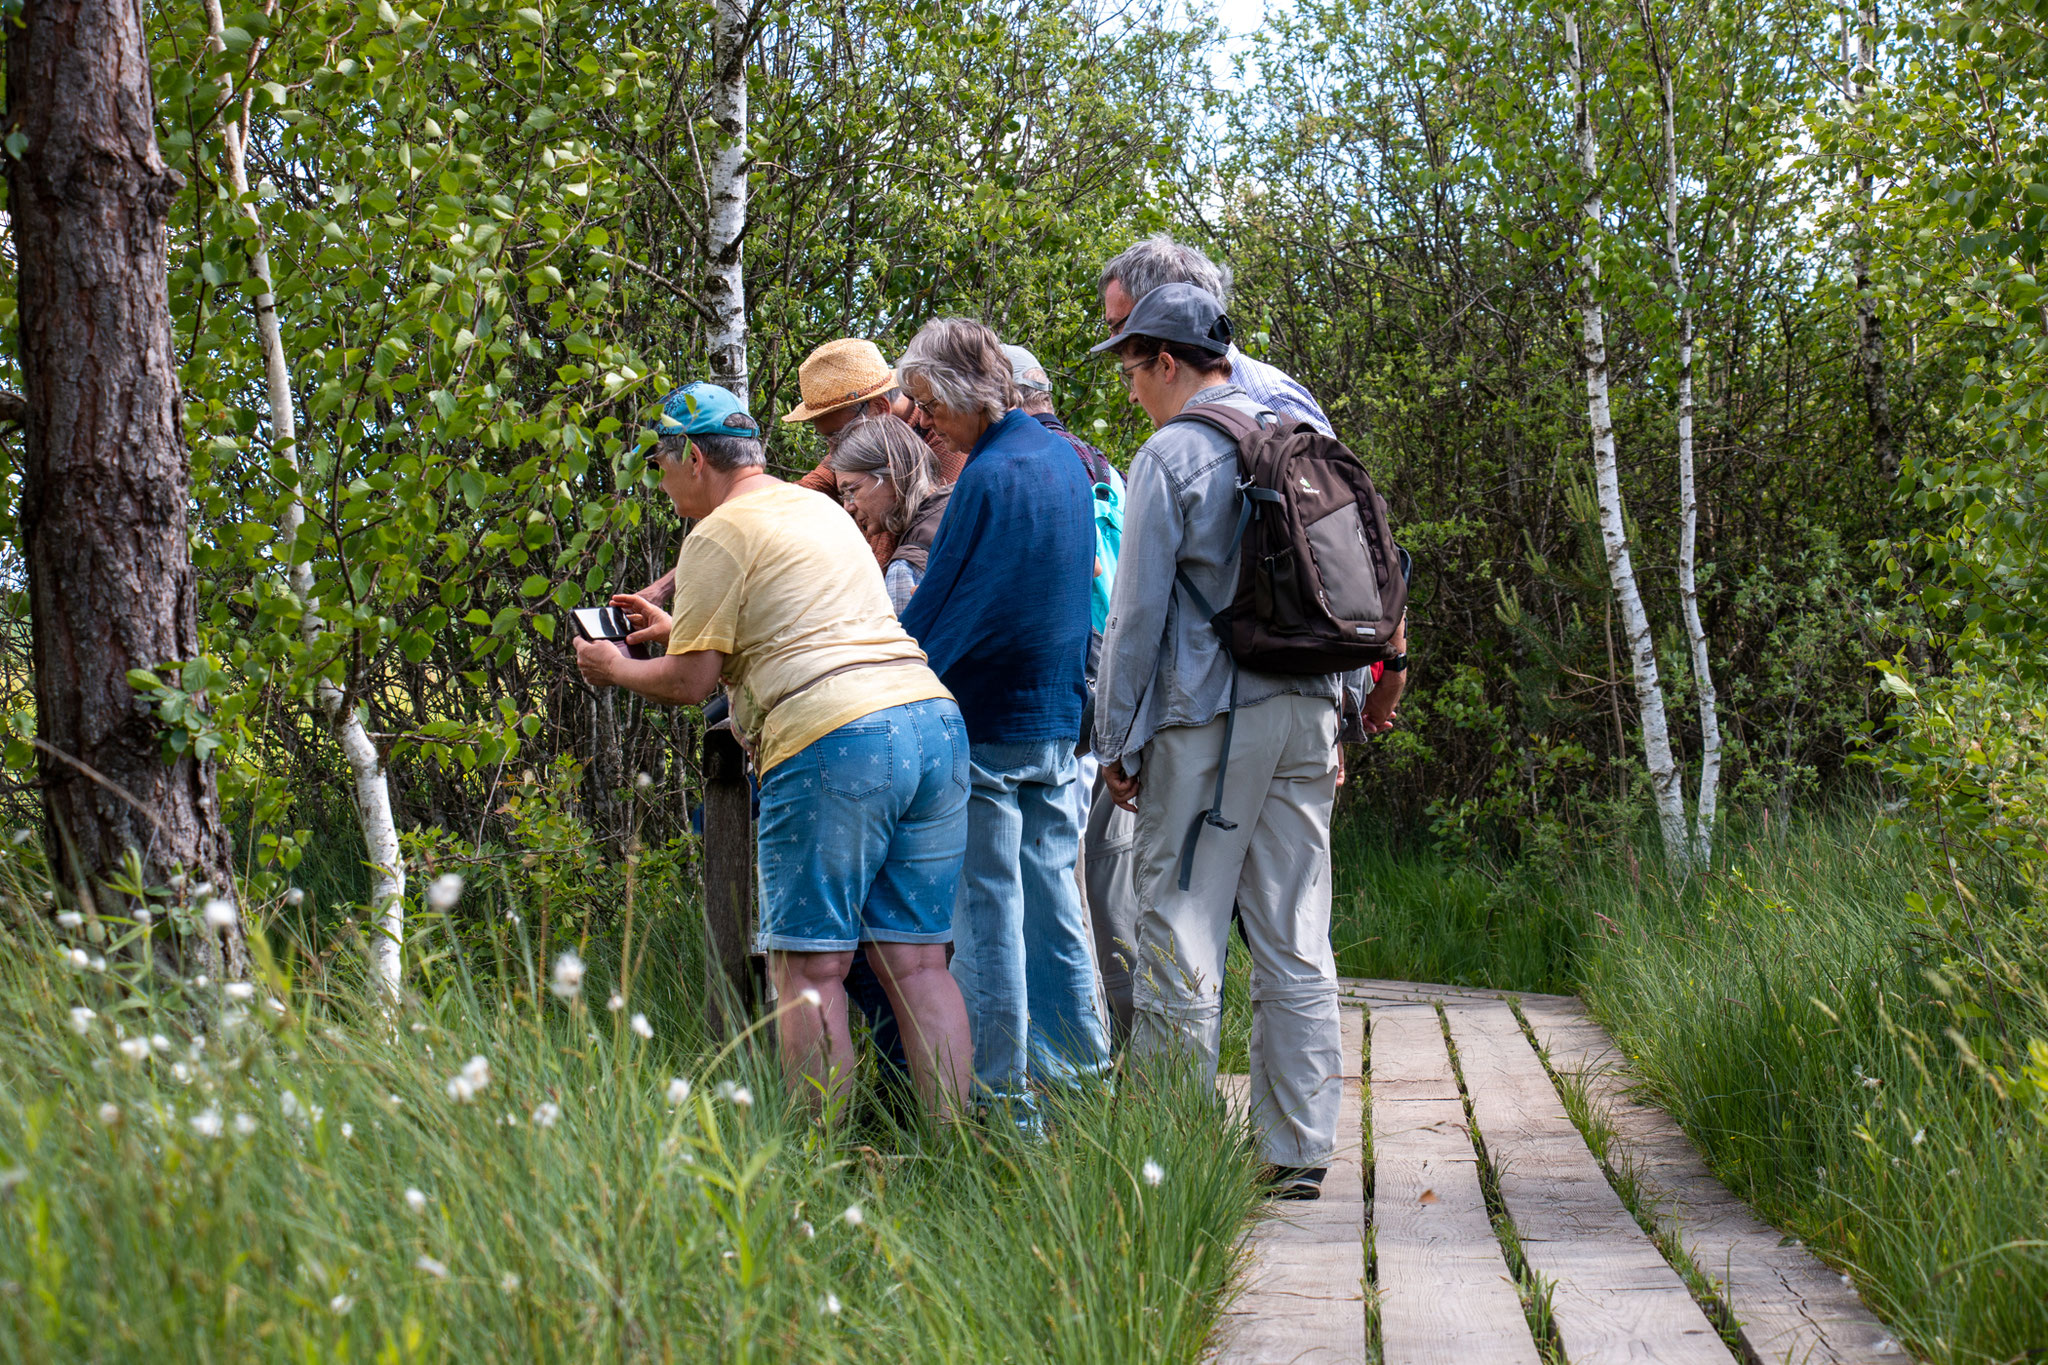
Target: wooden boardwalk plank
[
  {"x": 1303, "y": 1301},
  {"x": 1787, "y": 1304},
  {"x": 1446, "y": 1297},
  {"x": 1422, "y": 992},
  {"x": 1615, "y": 1301}
]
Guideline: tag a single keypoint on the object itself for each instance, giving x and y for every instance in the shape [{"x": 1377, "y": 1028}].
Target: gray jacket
[{"x": 1162, "y": 664}]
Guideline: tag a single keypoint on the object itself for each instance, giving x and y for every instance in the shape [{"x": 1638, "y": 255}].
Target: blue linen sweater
[{"x": 1002, "y": 613}]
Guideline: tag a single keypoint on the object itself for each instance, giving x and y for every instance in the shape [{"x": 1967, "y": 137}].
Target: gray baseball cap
[
  {"x": 1177, "y": 312},
  {"x": 1025, "y": 370}
]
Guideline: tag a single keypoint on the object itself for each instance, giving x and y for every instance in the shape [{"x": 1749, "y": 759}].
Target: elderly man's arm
[
  {"x": 676, "y": 679},
  {"x": 1138, "y": 605}
]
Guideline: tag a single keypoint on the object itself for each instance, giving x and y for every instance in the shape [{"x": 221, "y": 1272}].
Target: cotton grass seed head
[
  {"x": 444, "y": 891},
  {"x": 737, "y": 1095},
  {"x": 568, "y": 980},
  {"x": 831, "y": 1305},
  {"x": 136, "y": 1049},
  {"x": 77, "y": 959},
  {"x": 295, "y": 897},
  {"x": 853, "y": 1217},
  {"x": 70, "y": 919},
  {"x": 509, "y": 1282},
  {"x": 81, "y": 1019},
  {"x": 1153, "y": 1172},
  {"x": 546, "y": 1114},
  {"x": 415, "y": 1199},
  {"x": 239, "y": 990},
  {"x": 340, "y": 1304},
  {"x": 207, "y": 1123},
  {"x": 678, "y": 1091},
  {"x": 640, "y": 1026},
  {"x": 811, "y": 997},
  {"x": 616, "y": 1003},
  {"x": 428, "y": 1265},
  {"x": 110, "y": 1114},
  {"x": 220, "y": 914},
  {"x": 245, "y": 1126}
]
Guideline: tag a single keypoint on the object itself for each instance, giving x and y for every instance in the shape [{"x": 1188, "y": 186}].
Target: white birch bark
[
  {"x": 724, "y": 285},
  {"x": 1707, "y": 805},
  {"x": 1664, "y": 782},
  {"x": 373, "y": 787}
]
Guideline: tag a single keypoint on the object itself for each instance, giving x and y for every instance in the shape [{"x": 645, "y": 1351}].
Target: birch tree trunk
[
  {"x": 1861, "y": 56},
  {"x": 105, "y": 469},
  {"x": 1664, "y": 783},
  {"x": 1688, "y": 499},
  {"x": 724, "y": 283},
  {"x": 373, "y": 788}
]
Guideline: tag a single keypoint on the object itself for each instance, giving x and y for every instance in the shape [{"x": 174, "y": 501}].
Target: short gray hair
[
  {"x": 1144, "y": 266},
  {"x": 889, "y": 448},
  {"x": 723, "y": 453},
  {"x": 962, "y": 363}
]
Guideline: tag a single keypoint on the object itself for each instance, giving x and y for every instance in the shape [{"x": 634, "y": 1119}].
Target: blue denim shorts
[{"x": 862, "y": 833}]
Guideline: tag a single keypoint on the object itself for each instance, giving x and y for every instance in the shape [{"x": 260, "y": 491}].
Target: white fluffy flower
[
  {"x": 77, "y": 959},
  {"x": 640, "y": 1026},
  {"x": 736, "y": 1094},
  {"x": 444, "y": 891},
  {"x": 415, "y": 1199},
  {"x": 678, "y": 1091},
  {"x": 340, "y": 1304},
  {"x": 81, "y": 1019},
  {"x": 1919, "y": 1136},
  {"x": 643, "y": 780},
  {"x": 207, "y": 1122},
  {"x": 1152, "y": 1171},
  {"x": 159, "y": 1042},
  {"x": 853, "y": 1216},
  {"x": 832, "y": 1305},
  {"x": 430, "y": 1266},
  {"x": 144, "y": 916},
  {"x": 110, "y": 1114},
  {"x": 181, "y": 1073},
  {"x": 220, "y": 914},
  {"x": 509, "y": 1282},
  {"x": 348, "y": 1130},
  {"x": 70, "y": 919},
  {"x": 811, "y": 997},
  {"x": 295, "y": 896},
  {"x": 244, "y": 1125},
  {"x": 616, "y": 1003},
  {"x": 545, "y": 1114},
  {"x": 134, "y": 1048},
  {"x": 239, "y": 990},
  {"x": 568, "y": 981},
  {"x": 288, "y": 1102},
  {"x": 96, "y": 962}
]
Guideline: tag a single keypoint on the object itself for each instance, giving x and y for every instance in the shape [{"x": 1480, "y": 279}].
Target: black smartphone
[{"x": 601, "y": 623}]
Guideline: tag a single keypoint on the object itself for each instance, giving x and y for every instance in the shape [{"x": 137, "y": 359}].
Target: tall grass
[
  {"x": 1791, "y": 1012},
  {"x": 188, "y": 1175}
]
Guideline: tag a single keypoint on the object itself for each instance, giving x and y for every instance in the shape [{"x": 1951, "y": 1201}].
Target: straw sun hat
[{"x": 838, "y": 375}]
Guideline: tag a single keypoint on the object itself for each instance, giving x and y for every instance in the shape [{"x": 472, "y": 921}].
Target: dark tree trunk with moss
[{"x": 104, "y": 482}]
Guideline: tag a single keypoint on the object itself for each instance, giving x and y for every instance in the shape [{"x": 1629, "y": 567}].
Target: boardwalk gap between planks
[{"x": 1470, "y": 1216}]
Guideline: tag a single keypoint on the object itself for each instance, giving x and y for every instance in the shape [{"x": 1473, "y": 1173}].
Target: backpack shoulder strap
[{"x": 1233, "y": 422}]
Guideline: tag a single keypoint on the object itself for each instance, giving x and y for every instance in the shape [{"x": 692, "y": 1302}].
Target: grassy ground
[
  {"x": 1781, "y": 1008},
  {"x": 184, "y": 1175}
]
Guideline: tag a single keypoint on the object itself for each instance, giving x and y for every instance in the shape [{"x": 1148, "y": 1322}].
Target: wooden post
[{"x": 728, "y": 883}]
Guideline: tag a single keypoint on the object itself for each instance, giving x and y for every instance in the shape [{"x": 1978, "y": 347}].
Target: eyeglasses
[
  {"x": 1128, "y": 370},
  {"x": 1116, "y": 325}
]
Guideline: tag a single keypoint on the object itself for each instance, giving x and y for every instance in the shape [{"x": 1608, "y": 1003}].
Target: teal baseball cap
[{"x": 702, "y": 409}]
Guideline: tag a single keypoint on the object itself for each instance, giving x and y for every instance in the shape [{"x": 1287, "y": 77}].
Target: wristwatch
[{"x": 1398, "y": 664}]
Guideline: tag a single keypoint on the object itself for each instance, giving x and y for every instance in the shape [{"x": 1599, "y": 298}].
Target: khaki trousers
[{"x": 1275, "y": 867}]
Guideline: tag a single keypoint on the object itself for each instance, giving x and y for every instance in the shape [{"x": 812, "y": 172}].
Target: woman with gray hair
[
  {"x": 888, "y": 479},
  {"x": 1003, "y": 618}
]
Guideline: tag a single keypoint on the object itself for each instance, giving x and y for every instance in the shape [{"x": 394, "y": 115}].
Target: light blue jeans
[{"x": 1020, "y": 933}]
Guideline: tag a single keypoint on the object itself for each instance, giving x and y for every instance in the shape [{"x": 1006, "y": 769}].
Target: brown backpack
[{"x": 1321, "y": 585}]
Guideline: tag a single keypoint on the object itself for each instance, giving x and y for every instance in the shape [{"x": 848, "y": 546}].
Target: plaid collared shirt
[{"x": 1272, "y": 387}]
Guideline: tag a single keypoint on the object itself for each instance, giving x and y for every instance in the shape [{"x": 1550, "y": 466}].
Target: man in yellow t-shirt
[{"x": 861, "y": 752}]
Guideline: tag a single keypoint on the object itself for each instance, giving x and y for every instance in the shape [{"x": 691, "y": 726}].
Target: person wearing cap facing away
[
  {"x": 861, "y": 751},
  {"x": 1165, "y": 685},
  {"x": 1002, "y": 614},
  {"x": 843, "y": 383}
]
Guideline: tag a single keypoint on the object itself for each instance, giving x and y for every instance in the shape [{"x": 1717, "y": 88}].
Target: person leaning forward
[
  {"x": 1003, "y": 615},
  {"x": 1165, "y": 685},
  {"x": 844, "y": 382},
  {"x": 862, "y": 752}
]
